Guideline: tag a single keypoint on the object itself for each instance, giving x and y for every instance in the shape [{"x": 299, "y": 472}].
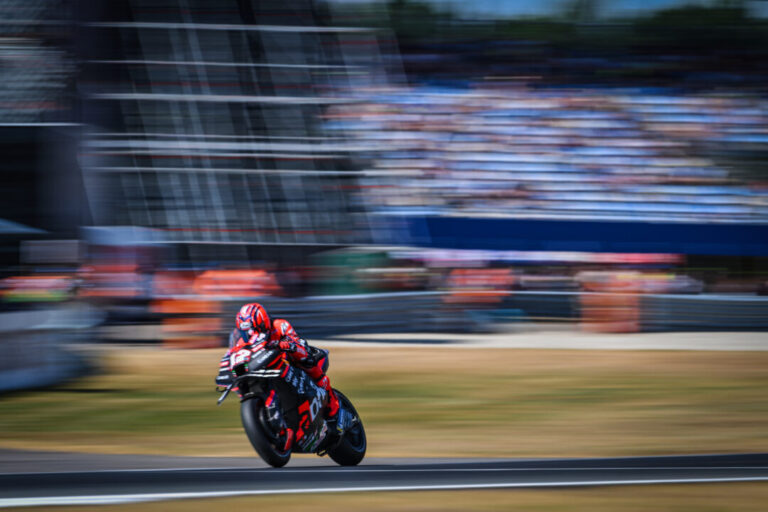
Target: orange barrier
[
  {"x": 610, "y": 312},
  {"x": 236, "y": 283},
  {"x": 478, "y": 285},
  {"x": 616, "y": 308},
  {"x": 190, "y": 323}
]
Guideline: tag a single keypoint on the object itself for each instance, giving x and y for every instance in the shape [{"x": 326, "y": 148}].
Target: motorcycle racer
[{"x": 252, "y": 324}]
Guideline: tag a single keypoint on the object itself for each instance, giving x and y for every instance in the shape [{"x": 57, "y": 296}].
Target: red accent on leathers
[
  {"x": 333, "y": 403},
  {"x": 282, "y": 330}
]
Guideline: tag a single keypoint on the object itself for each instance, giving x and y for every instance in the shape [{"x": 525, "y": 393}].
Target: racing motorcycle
[{"x": 276, "y": 396}]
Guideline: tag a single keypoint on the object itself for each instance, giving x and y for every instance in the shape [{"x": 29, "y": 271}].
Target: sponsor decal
[
  {"x": 315, "y": 407},
  {"x": 310, "y": 443},
  {"x": 303, "y": 415},
  {"x": 240, "y": 357},
  {"x": 261, "y": 359},
  {"x": 266, "y": 373},
  {"x": 323, "y": 432}
]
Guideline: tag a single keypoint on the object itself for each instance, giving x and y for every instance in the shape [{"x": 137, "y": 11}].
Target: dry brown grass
[
  {"x": 417, "y": 401},
  {"x": 747, "y": 497}
]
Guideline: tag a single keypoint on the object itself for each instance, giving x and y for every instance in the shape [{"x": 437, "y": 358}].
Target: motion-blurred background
[{"x": 378, "y": 167}]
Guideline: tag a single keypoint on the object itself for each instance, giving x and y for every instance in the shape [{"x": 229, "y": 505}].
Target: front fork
[{"x": 270, "y": 415}]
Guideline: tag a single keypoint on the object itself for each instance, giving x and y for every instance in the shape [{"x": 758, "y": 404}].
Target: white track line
[
  {"x": 363, "y": 469},
  {"x": 135, "y": 498}
]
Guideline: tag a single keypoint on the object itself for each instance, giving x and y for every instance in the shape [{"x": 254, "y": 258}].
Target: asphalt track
[{"x": 92, "y": 480}]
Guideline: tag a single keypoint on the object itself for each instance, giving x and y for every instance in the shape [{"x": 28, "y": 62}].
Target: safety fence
[
  {"x": 198, "y": 323},
  {"x": 36, "y": 346},
  {"x": 206, "y": 323},
  {"x": 704, "y": 312}
]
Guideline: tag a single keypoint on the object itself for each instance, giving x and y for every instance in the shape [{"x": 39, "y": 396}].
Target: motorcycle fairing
[{"x": 310, "y": 400}]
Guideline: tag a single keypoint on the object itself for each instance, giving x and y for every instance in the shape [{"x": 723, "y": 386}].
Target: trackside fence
[{"x": 436, "y": 312}]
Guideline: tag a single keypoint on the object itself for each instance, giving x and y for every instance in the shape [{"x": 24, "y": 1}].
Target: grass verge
[
  {"x": 747, "y": 497},
  {"x": 422, "y": 402}
]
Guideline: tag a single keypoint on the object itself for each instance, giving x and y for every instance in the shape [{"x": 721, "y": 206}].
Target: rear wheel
[
  {"x": 351, "y": 449},
  {"x": 266, "y": 443}
]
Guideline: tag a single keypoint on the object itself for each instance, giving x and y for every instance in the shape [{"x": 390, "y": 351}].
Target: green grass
[{"x": 423, "y": 402}]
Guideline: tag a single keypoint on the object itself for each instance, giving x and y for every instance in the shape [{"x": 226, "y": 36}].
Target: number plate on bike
[{"x": 240, "y": 357}]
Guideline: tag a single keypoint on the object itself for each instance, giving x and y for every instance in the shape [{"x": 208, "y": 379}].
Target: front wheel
[
  {"x": 251, "y": 412},
  {"x": 351, "y": 449}
]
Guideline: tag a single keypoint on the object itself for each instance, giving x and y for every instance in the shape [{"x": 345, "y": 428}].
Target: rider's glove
[{"x": 285, "y": 345}]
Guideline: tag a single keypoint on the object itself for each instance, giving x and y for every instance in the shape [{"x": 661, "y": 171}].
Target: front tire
[
  {"x": 351, "y": 449},
  {"x": 250, "y": 413}
]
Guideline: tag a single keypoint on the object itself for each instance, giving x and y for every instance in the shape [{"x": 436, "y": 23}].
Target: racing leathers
[{"x": 310, "y": 359}]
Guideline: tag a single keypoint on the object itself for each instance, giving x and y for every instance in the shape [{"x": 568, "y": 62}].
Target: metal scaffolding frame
[{"x": 210, "y": 132}]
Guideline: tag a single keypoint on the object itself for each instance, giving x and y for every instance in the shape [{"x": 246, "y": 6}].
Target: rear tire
[
  {"x": 351, "y": 449},
  {"x": 250, "y": 412}
]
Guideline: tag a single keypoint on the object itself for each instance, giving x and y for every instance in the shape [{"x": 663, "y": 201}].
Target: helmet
[{"x": 253, "y": 318}]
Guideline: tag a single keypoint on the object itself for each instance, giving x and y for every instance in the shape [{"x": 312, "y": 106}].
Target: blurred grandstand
[
  {"x": 567, "y": 154},
  {"x": 211, "y": 151}
]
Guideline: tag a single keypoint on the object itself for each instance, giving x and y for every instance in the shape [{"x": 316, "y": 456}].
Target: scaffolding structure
[{"x": 203, "y": 122}]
